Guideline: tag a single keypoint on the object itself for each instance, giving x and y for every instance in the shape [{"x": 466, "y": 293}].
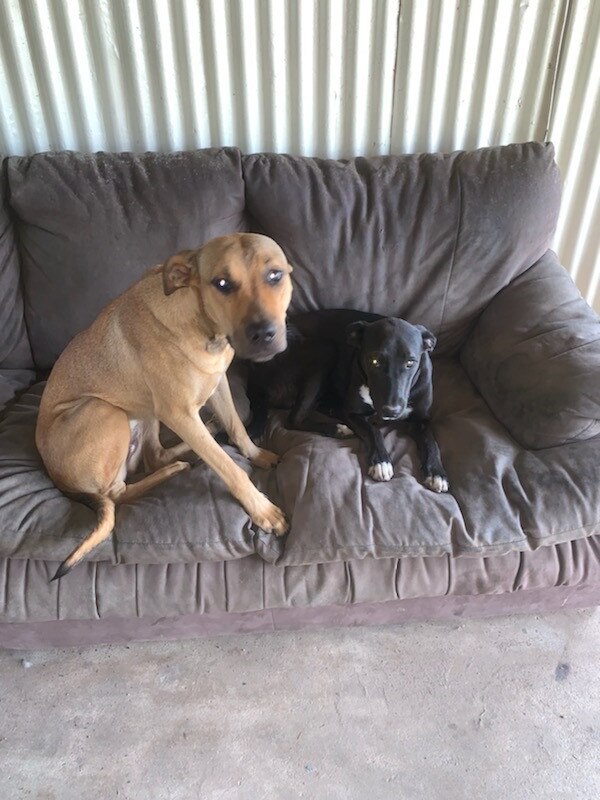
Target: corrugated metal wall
[
  {"x": 316, "y": 77},
  {"x": 575, "y": 129}
]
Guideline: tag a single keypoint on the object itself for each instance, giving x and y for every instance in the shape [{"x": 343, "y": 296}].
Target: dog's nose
[
  {"x": 391, "y": 412},
  {"x": 260, "y": 332}
]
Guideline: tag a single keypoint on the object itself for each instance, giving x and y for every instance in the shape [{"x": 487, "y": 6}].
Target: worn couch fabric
[
  {"x": 12, "y": 382},
  {"x": 535, "y": 357},
  {"x": 456, "y": 242},
  {"x": 16, "y": 362},
  {"x": 15, "y": 351}
]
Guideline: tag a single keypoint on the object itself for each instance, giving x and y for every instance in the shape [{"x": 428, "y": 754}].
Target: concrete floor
[{"x": 491, "y": 709}]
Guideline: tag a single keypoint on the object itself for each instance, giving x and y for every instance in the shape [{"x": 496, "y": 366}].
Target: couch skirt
[{"x": 99, "y": 602}]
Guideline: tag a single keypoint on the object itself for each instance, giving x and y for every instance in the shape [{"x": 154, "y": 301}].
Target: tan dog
[{"x": 158, "y": 353}]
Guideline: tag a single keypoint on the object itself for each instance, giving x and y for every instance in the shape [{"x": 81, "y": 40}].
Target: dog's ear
[
  {"x": 429, "y": 340},
  {"x": 177, "y": 272},
  {"x": 355, "y": 333}
]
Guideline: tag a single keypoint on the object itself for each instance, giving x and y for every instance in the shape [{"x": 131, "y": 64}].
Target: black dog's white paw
[
  {"x": 343, "y": 431},
  {"x": 382, "y": 471},
  {"x": 437, "y": 483}
]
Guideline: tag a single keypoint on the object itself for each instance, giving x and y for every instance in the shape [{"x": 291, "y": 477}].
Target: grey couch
[{"x": 456, "y": 242}]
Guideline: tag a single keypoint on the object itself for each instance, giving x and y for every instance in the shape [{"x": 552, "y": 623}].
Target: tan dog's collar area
[
  {"x": 245, "y": 288},
  {"x": 216, "y": 344}
]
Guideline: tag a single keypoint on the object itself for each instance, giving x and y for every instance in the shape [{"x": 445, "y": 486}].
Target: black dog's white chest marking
[{"x": 365, "y": 395}]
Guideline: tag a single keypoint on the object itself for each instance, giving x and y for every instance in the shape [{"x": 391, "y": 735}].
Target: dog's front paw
[
  {"x": 381, "y": 471},
  {"x": 343, "y": 431},
  {"x": 264, "y": 459},
  {"x": 270, "y": 518},
  {"x": 437, "y": 483}
]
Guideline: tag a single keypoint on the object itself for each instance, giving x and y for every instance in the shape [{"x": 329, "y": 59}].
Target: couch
[{"x": 457, "y": 242}]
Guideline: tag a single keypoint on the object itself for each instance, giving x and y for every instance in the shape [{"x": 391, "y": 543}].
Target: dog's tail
[{"x": 104, "y": 528}]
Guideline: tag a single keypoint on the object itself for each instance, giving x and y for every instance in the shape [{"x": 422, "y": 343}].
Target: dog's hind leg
[
  {"x": 429, "y": 455},
  {"x": 107, "y": 445},
  {"x": 134, "y": 490},
  {"x": 304, "y": 415},
  {"x": 155, "y": 455},
  {"x": 120, "y": 493}
]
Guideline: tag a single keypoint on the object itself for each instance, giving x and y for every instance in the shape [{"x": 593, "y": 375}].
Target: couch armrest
[{"x": 534, "y": 354}]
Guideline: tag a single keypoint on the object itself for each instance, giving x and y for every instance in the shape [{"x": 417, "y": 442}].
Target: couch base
[{"x": 78, "y": 633}]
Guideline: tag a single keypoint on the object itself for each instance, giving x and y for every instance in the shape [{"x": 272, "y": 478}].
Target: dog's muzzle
[
  {"x": 392, "y": 413},
  {"x": 261, "y": 333},
  {"x": 260, "y": 341}
]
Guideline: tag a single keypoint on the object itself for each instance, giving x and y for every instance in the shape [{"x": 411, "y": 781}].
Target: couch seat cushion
[{"x": 503, "y": 498}]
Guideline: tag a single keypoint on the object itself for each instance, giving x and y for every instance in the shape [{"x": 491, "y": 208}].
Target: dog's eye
[
  {"x": 274, "y": 276},
  {"x": 223, "y": 285},
  {"x": 375, "y": 362},
  {"x": 410, "y": 363}
]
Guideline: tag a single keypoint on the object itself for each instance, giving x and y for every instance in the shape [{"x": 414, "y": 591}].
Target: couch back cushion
[
  {"x": 15, "y": 353},
  {"x": 428, "y": 237},
  {"x": 90, "y": 225}
]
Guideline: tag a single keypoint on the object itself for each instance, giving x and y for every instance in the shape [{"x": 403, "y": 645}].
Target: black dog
[{"x": 358, "y": 368}]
